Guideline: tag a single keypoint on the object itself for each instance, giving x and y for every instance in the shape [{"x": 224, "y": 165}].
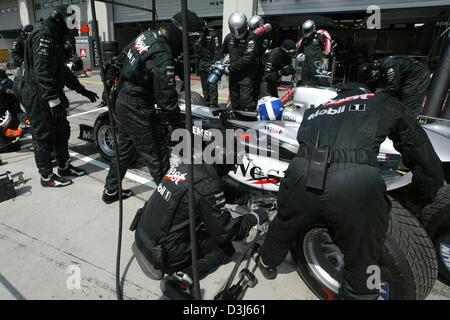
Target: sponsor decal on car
[
  {"x": 384, "y": 291},
  {"x": 444, "y": 249}
]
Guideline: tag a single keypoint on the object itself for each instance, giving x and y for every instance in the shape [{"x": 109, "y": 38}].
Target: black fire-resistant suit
[
  {"x": 263, "y": 45},
  {"x": 407, "y": 79},
  {"x": 243, "y": 72},
  {"x": 354, "y": 204},
  {"x": 45, "y": 75},
  {"x": 18, "y": 50},
  {"x": 147, "y": 78},
  {"x": 164, "y": 221},
  {"x": 277, "y": 60},
  {"x": 8, "y": 102},
  {"x": 209, "y": 52},
  {"x": 315, "y": 48}
]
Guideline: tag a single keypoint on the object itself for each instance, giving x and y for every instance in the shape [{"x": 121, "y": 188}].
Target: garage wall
[
  {"x": 165, "y": 9},
  {"x": 275, "y": 7},
  {"x": 9, "y": 15},
  {"x": 42, "y": 8}
]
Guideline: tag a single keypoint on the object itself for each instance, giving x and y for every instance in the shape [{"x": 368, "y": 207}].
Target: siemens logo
[{"x": 329, "y": 111}]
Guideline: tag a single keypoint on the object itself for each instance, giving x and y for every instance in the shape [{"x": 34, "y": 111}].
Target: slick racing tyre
[
  {"x": 436, "y": 220},
  {"x": 6, "y": 119},
  {"x": 408, "y": 264},
  {"x": 103, "y": 138}
]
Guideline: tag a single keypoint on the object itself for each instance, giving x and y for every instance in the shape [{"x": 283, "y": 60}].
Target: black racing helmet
[
  {"x": 27, "y": 29},
  {"x": 196, "y": 26},
  {"x": 237, "y": 23},
  {"x": 369, "y": 72},
  {"x": 308, "y": 28},
  {"x": 289, "y": 47},
  {"x": 60, "y": 16}
]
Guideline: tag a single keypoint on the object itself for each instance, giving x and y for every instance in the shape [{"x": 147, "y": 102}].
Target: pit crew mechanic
[
  {"x": 241, "y": 45},
  {"x": 210, "y": 48},
  {"x": 263, "y": 45},
  {"x": 45, "y": 75},
  {"x": 316, "y": 45},
  {"x": 148, "y": 77},
  {"x": 402, "y": 77},
  {"x": 279, "y": 63},
  {"x": 162, "y": 238},
  {"x": 9, "y": 132},
  {"x": 18, "y": 49},
  {"x": 352, "y": 200}
]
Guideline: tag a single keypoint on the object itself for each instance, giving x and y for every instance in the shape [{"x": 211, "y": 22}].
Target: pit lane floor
[{"x": 49, "y": 236}]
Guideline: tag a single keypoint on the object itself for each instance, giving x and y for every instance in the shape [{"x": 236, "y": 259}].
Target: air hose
[{"x": 116, "y": 151}]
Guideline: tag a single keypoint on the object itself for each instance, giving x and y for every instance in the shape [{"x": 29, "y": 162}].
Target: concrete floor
[{"x": 49, "y": 236}]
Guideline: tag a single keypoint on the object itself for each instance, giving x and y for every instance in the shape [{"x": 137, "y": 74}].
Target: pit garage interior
[{"x": 420, "y": 32}]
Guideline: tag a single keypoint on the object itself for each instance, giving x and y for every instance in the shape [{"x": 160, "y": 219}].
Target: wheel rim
[
  {"x": 325, "y": 260},
  {"x": 4, "y": 118},
  {"x": 105, "y": 140}
]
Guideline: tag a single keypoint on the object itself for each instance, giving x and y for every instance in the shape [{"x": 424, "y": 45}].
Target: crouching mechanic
[
  {"x": 162, "y": 238},
  {"x": 9, "y": 130},
  {"x": 350, "y": 198},
  {"x": 148, "y": 78},
  {"x": 402, "y": 77},
  {"x": 44, "y": 78}
]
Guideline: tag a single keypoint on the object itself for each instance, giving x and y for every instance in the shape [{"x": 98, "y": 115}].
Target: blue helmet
[{"x": 270, "y": 109}]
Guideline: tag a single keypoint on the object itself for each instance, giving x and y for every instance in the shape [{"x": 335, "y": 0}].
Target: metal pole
[
  {"x": 154, "y": 14},
  {"x": 187, "y": 90},
  {"x": 111, "y": 121},
  {"x": 439, "y": 86}
]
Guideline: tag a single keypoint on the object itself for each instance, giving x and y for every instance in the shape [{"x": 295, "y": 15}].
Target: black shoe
[
  {"x": 177, "y": 286},
  {"x": 71, "y": 171},
  {"x": 110, "y": 197},
  {"x": 147, "y": 268},
  {"x": 53, "y": 181}
]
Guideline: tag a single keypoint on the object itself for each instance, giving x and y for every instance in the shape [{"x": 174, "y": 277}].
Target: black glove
[
  {"x": 92, "y": 96},
  {"x": 268, "y": 272},
  {"x": 58, "y": 111},
  {"x": 261, "y": 215},
  {"x": 286, "y": 71}
]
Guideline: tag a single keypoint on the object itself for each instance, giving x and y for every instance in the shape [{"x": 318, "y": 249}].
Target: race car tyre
[
  {"x": 196, "y": 99},
  {"x": 436, "y": 220},
  {"x": 408, "y": 265},
  {"x": 6, "y": 119},
  {"x": 103, "y": 138}
]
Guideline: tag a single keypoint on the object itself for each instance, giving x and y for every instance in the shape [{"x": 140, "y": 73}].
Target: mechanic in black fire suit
[
  {"x": 162, "y": 238},
  {"x": 148, "y": 78},
  {"x": 9, "y": 130},
  {"x": 316, "y": 46},
  {"x": 18, "y": 49},
  {"x": 241, "y": 45},
  {"x": 352, "y": 200},
  {"x": 279, "y": 63},
  {"x": 402, "y": 77},
  {"x": 210, "y": 48},
  {"x": 45, "y": 75},
  {"x": 263, "y": 45}
]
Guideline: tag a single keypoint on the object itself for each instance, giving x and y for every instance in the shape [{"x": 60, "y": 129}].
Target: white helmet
[
  {"x": 255, "y": 22},
  {"x": 238, "y": 24}
]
